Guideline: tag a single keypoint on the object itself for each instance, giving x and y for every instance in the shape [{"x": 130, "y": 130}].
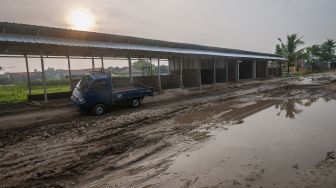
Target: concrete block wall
[
  {"x": 170, "y": 81},
  {"x": 220, "y": 75},
  {"x": 151, "y": 81},
  {"x": 120, "y": 81},
  {"x": 276, "y": 72},
  {"x": 220, "y": 70},
  {"x": 190, "y": 78},
  {"x": 207, "y": 71},
  {"x": 207, "y": 76},
  {"x": 167, "y": 81}
]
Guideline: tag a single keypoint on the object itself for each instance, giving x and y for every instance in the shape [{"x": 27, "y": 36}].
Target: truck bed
[
  {"x": 125, "y": 89},
  {"x": 129, "y": 87},
  {"x": 133, "y": 90}
]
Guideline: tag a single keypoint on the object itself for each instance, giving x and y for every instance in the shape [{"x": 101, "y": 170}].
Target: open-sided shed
[{"x": 190, "y": 64}]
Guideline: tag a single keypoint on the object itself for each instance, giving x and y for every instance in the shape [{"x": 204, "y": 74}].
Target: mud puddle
[
  {"x": 247, "y": 136},
  {"x": 270, "y": 148},
  {"x": 266, "y": 148},
  {"x": 313, "y": 80}
]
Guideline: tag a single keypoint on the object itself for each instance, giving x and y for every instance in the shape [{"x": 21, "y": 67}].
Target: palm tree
[
  {"x": 289, "y": 106},
  {"x": 289, "y": 49}
]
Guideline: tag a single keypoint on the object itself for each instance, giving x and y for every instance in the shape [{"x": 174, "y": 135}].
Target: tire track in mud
[
  {"x": 16, "y": 135},
  {"x": 65, "y": 154},
  {"x": 72, "y": 158}
]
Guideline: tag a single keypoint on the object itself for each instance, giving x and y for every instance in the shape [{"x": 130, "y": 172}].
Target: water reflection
[{"x": 290, "y": 106}]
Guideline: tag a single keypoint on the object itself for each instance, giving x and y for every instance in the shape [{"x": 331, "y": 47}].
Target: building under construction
[{"x": 190, "y": 65}]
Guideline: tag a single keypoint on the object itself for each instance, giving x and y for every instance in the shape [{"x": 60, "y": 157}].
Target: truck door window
[
  {"x": 84, "y": 83},
  {"x": 99, "y": 85}
]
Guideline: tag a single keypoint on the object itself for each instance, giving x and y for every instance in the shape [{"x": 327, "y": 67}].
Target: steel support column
[
  {"x": 159, "y": 75},
  {"x": 130, "y": 69},
  {"x": 214, "y": 70},
  {"x": 28, "y": 75},
  {"x": 254, "y": 69},
  {"x": 69, "y": 69},
  {"x": 181, "y": 72},
  {"x": 44, "y": 79}
]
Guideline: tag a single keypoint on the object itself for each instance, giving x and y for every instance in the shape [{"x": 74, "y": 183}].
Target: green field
[{"x": 18, "y": 93}]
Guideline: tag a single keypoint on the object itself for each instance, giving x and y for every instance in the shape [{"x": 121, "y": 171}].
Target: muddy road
[{"x": 182, "y": 140}]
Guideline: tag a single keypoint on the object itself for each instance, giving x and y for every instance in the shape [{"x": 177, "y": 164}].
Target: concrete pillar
[
  {"x": 69, "y": 69},
  {"x": 28, "y": 75},
  {"x": 226, "y": 70},
  {"x": 199, "y": 70},
  {"x": 254, "y": 69},
  {"x": 266, "y": 69},
  {"x": 214, "y": 70},
  {"x": 130, "y": 69},
  {"x": 181, "y": 72},
  {"x": 44, "y": 79},
  {"x": 159, "y": 75},
  {"x": 102, "y": 62},
  {"x": 237, "y": 70}
]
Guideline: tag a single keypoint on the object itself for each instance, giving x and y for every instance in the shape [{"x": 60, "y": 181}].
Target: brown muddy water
[{"x": 264, "y": 150}]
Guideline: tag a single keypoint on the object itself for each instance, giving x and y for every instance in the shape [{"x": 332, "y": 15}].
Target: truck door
[{"x": 101, "y": 92}]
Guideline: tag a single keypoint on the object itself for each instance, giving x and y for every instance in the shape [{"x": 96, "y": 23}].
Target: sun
[{"x": 81, "y": 19}]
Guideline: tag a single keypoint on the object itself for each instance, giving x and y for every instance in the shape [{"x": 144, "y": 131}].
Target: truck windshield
[{"x": 84, "y": 83}]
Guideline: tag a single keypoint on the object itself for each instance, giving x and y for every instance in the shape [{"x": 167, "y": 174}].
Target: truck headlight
[{"x": 81, "y": 100}]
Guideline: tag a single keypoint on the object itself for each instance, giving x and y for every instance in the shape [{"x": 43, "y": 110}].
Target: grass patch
[{"x": 18, "y": 93}]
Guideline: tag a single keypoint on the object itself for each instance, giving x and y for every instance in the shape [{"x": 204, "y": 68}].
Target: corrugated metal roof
[
  {"x": 31, "y": 39},
  {"x": 65, "y": 34}
]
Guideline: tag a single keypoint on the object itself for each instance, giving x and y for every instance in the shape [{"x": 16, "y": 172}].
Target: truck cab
[{"x": 95, "y": 92}]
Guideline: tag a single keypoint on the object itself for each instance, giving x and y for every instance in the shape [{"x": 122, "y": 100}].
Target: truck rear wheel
[
  {"x": 98, "y": 109},
  {"x": 136, "y": 103}
]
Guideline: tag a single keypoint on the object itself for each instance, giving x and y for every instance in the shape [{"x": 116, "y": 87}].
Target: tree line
[{"x": 314, "y": 54}]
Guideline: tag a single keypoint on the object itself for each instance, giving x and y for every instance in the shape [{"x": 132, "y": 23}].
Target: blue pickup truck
[{"x": 96, "y": 92}]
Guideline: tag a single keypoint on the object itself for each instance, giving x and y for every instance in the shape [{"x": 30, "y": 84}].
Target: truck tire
[
  {"x": 135, "y": 103},
  {"x": 98, "y": 109}
]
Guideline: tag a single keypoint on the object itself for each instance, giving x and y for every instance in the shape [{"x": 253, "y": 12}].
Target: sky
[{"x": 252, "y": 25}]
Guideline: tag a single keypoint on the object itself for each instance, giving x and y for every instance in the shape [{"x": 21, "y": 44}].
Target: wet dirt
[{"x": 200, "y": 139}]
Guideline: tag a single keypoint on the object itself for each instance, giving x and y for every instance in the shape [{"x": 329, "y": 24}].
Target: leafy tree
[
  {"x": 289, "y": 48},
  {"x": 164, "y": 69},
  {"x": 290, "y": 107},
  {"x": 328, "y": 50},
  {"x": 1, "y": 68},
  {"x": 141, "y": 63},
  {"x": 311, "y": 54}
]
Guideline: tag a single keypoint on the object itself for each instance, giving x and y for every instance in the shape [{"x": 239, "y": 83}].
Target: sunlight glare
[{"x": 81, "y": 19}]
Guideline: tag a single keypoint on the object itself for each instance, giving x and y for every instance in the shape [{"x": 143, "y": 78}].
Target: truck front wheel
[
  {"x": 98, "y": 109},
  {"x": 136, "y": 103}
]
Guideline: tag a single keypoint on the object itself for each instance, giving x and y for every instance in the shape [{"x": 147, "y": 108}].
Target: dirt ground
[{"x": 136, "y": 147}]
